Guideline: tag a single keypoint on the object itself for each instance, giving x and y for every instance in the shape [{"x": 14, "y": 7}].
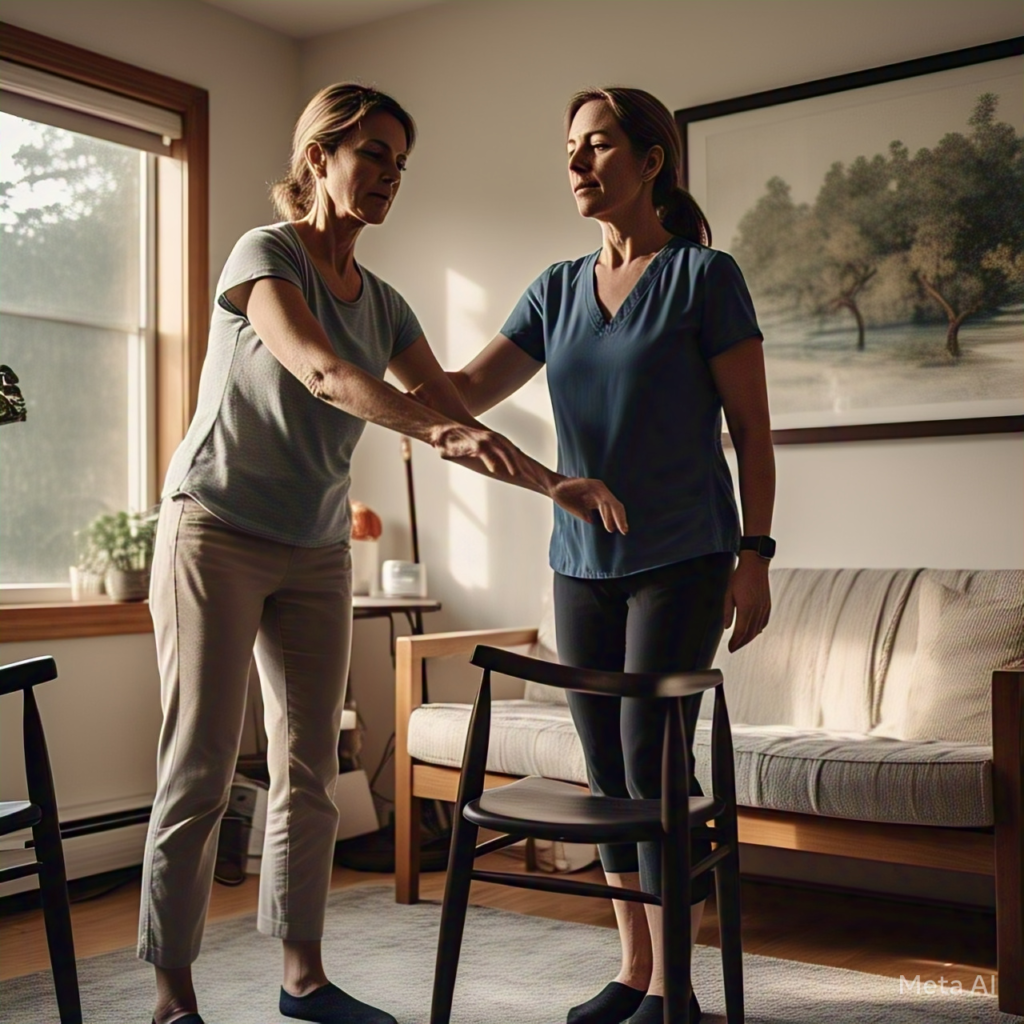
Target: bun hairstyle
[
  {"x": 648, "y": 123},
  {"x": 330, "y": 116}
]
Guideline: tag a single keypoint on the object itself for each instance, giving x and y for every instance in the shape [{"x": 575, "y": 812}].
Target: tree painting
[{"x": 937, "y": 235}]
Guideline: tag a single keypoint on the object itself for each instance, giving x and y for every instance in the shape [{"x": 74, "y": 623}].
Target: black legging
[{"x": 667, "y": 619}]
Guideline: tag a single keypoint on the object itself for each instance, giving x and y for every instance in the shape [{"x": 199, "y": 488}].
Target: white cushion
[
  {"x": 845, "y": 775},
  {"x": 527, "y": 738},
  {"x": 822, "y": 660},
  {"x": 964, "y": 634},
  {"x": 856, "y": 776}
]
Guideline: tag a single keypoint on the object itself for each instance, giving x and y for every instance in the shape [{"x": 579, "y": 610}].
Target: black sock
[
  {"x": 652, "y": 1010},
  {"x": 614, "y": 1003},
  {"x": 329, "y": 1005}
]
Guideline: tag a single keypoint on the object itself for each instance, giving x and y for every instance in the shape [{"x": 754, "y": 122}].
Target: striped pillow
[{"x": 963, "y": 636}]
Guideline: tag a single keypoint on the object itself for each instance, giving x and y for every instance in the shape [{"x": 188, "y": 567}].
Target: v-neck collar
[{"x": 644, "y": 282}]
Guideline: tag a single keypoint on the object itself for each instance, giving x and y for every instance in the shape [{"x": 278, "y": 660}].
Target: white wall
[
  {"x": 103, "y": 715},
  {"x": 485, "y": 207}
]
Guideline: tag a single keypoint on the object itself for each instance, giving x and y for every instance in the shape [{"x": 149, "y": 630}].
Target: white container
[
  {"x": 365, "y": 560},
  {"x": 403, "y": 579}
]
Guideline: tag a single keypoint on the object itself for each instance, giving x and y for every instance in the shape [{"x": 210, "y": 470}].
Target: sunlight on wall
[
  {"x": 467, "y": 330},
  {"x": 468, "y": 555},
  {"x": 469, "y": 558}
]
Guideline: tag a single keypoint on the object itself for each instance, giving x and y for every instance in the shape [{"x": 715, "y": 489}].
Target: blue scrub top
[{"x": 635, "y": 404}]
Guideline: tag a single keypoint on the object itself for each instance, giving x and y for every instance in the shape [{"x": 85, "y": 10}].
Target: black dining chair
[
  {"x": 560, "y": 811},
  {"x": 39, "y": 813}
]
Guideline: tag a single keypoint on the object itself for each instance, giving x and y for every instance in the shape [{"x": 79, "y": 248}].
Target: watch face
[{"x": 763, "y": 545}]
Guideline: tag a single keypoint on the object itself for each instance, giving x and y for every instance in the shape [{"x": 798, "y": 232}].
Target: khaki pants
[{"x": 215, "y": 592}]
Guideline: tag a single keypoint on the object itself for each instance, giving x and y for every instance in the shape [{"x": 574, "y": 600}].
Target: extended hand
[
  {"x": 749, "y": 599},
  {"x": 581, "y": 496}
]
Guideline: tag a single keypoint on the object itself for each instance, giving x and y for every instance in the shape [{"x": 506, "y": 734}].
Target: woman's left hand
[{"x": 748, "y": 599}]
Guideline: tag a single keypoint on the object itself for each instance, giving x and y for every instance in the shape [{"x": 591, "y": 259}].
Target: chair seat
[
  {"x": 18, "y": 814},
  {"x": 547, "y": 809}
]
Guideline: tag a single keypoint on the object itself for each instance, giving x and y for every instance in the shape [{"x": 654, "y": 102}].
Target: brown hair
[
  {"x": 330, "y": 116},
  {"x": 647, "y": 123}
]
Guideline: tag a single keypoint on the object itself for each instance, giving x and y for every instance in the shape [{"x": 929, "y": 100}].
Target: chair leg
[
  {"x": 53, "y": 885},
  {"x": 453, "y": 919},
  {"x": 53, "y": 892},
  {"x": 727, "y": 888}
]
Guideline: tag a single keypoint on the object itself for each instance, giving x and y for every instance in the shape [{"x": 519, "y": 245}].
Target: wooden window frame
[{"x": 183, "y": 263}]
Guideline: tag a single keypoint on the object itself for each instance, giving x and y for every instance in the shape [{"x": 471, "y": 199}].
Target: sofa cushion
[
  {"x": 958, "y": 626},
  {"x": 527, "y": 738},
  {"x": 822, "y": 661},
  {"x": 852, "y": 775},
  {"x": 963, "y": 636},
  {"x": 787, "y": 769}
]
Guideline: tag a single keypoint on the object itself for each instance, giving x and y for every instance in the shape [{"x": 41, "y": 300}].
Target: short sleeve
[
  {"x": 262, "y": 252},
  {"x": 728, "y": 312},
  {"x": 407, "y": 326},
  {"x": 525, "y": 324}
]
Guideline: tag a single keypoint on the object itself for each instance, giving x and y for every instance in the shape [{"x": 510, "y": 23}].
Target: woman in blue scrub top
[{"x": 646, "y": 342}]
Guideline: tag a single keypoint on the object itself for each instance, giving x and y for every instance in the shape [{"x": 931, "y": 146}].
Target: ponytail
[
  {"x": 293, "y": 197},
  {"x": 682, "y": 216}
]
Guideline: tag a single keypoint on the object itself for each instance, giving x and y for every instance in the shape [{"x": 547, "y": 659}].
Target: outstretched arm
[
  {"x": 497, "y": 371},
  {"x": 419, "y": 371},
  {"x": 739, "y": 376},
  {"x": 284, "y": 323}
]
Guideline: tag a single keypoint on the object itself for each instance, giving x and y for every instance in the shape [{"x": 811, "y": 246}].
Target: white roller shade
[{"x": 26, "y": 92}]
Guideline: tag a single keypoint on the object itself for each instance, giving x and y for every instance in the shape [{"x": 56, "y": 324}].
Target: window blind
[{"x": 38, "y": 96}]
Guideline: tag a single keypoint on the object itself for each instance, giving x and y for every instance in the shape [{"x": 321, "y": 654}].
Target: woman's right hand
[
  {"x": 581, "y": 496},
  {"x": 494, "y": 450}
]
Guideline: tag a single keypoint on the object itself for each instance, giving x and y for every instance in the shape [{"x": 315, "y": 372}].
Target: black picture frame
[{"x": 842, "y": 83}]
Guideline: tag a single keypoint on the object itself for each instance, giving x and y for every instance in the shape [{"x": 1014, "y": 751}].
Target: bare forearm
[
  {"x": 756, "y": 460},
  {"x": 534, "y": 476},
  {"x": 353, "y": 390},
  {"x": 445, "y": 398}
]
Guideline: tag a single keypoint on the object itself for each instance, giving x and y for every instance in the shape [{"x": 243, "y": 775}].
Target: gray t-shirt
[{"x": 262, "y": 453}]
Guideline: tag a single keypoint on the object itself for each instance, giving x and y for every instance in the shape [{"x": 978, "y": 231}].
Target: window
[
  {"x": 103, "y": 308},
  {"x": 77, "y": 288}
]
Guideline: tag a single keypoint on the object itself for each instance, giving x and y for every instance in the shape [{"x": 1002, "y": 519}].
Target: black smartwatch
[{"x": 763, "y": 545}]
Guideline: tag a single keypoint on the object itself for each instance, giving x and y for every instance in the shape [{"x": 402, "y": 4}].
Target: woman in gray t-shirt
[{"x": 252, "y": 546}]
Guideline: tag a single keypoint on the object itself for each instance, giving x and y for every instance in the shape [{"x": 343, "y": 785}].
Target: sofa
[{"x": 879, "y": 716}]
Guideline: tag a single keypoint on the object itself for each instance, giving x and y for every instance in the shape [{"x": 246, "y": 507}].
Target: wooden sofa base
[{"x": 980, "y": 852}]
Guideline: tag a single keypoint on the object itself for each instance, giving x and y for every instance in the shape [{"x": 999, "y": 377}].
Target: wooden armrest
[
  {"x": 411, "y": 651},
  {"x": 439, "y": 645}
]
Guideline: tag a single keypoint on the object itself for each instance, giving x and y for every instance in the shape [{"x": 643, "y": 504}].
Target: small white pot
[
  {"x": 364, "y": 566},
  {"x": 85, "y": 586}
]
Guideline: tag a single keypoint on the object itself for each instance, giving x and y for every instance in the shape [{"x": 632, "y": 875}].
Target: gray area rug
[{"x": 514, "y": 969}]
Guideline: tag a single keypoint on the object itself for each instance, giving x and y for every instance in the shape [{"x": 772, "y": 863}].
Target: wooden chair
[
  {"x": 548, "y": 809},
  {"x": 40, "y": 814}
]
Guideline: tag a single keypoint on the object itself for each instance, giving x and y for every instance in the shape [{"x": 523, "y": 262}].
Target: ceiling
[{"x": 302, "y": 19}]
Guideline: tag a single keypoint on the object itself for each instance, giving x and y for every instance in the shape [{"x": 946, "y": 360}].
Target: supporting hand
[
  {"x": 748, "y": 598},
  {"x": 581, "y": 496},
  {"x": 496, "y": 452}
]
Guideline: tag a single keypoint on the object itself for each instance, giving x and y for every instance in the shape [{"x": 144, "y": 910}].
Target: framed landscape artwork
[{"x": 878, "y": 218}]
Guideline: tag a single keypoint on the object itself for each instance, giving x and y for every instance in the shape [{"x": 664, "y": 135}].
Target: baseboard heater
[{"x": 92, "y": 846}]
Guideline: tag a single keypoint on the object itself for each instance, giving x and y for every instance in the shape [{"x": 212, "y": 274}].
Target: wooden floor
[{"x": 856, "y": 932}]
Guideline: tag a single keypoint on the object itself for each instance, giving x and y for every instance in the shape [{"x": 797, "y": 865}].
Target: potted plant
[{"x": 124, "y": 540}]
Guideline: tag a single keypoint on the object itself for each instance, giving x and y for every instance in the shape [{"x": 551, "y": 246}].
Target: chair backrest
[
  {"x": 616, "y": 684},
  {"x": 23, "y": 675}
]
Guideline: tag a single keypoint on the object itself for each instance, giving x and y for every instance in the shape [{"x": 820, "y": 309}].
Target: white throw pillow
[{"x": 963, "y": 637}]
